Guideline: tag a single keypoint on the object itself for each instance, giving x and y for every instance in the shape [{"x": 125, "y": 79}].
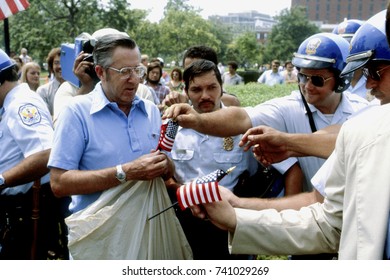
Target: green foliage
[
  {"x": 249, "y": 75},
  {"x": 245, "y": 50},
  {"x": 286, "y": 36},
  {"x": 252, "y": 94},
  {"x": 182, "y": 29},
  {"x": 48, "y": 23}
]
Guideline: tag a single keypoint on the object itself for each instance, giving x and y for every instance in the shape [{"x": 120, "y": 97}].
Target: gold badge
[{"x": 228, "y": 143}]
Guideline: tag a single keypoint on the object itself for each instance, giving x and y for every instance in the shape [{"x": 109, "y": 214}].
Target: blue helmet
[
  {"x": 5, "y": 61},
  {"x": 348, "y": 28},
  {"x": 320, "y": 51},
  {"x": 368, "y": 44}
]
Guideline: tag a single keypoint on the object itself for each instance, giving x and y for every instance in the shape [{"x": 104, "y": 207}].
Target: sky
[{"x": 214, "y": 7}]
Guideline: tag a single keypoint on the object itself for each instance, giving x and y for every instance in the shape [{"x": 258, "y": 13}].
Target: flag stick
[
  {"x": 176, "y": 203},
  {"x": 155, "y": 215}
]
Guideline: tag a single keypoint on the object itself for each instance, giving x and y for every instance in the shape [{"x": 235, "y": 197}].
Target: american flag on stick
[
  {"x": 11, "y": 7},
  {"x": 201, "y": 190},
  {"x": 167, "y": 135}
]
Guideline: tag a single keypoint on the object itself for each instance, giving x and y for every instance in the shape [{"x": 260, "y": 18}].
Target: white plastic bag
[{"x": 116, "y": 226}]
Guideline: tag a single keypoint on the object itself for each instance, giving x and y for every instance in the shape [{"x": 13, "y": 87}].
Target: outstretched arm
[
  {"x": 227, "y": 122},
  {"x": 271, "y": 146}
]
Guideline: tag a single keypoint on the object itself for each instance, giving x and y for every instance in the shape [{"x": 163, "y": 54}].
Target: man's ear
[{"x": 99, "y": 71}]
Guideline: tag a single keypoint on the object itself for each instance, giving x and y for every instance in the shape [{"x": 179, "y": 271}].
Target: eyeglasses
[
  {"x": 316, "y": 80},
  {"x": 374, "y": 74},
  {"x": 126, "y": 72}
]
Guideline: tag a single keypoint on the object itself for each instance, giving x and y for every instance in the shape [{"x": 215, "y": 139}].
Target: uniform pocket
[{"x": 182, "y": 154}]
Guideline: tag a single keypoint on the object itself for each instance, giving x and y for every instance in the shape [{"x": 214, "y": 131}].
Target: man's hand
[
  {"x": 174, "y": 97},
  {"x": 220, "y": 213},
  {"x": 149, "y": 166},
  {"x": 268, "y": 145},
  {"x": 184, "y": 114},
  {"x": 80, "y": 68}
]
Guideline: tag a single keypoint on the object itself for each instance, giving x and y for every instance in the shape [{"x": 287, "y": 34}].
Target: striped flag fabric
[
  {"x": 167, "y": 135},
  {"x": 201, "y": 190},
  {"x": 11, "y": 7}
]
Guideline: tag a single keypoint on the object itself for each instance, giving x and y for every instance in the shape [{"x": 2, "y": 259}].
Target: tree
[
  {"x": 292, "y": 29},
  {"x": 245, "y": 50},
  {"x": 182, "y": 29},
  {"x": 48, "y": 23}
]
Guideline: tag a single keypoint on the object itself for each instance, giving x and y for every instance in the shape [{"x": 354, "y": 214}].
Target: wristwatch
[{"x": 120, "y": 174}]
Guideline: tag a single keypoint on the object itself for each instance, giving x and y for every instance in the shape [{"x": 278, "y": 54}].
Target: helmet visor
[{"x": 356, "y": 61}]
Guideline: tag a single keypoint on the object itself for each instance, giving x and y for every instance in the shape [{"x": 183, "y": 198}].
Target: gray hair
[{"x": 105, "y": 46}]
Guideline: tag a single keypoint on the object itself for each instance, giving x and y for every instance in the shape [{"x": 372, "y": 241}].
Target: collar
[
  {"x": 8, "y": 97},
  {"x": 100, "y": 101}
]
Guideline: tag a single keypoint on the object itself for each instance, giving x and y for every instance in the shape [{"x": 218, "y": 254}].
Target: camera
[{"x": 69, "y": 52}]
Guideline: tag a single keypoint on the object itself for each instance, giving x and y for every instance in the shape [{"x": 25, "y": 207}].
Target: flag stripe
[
  {"x": 10, "y": 7},
  {"x": 180, "y": 198}
]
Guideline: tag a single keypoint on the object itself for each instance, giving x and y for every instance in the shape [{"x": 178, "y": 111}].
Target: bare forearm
[
  {"x": 72, "y": 182},
  {"x": 28, "y": 170},
  {"x": 291, "y": 202},
  {"x": 318, "y": 145},
  {"x": 226, "y": 122}
]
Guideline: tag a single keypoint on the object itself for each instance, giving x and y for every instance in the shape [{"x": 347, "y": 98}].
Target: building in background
[
  {"x": 331, "y": 12},
  {"x": 250, "y": 21},
  {"x": 326, "y": 14}
]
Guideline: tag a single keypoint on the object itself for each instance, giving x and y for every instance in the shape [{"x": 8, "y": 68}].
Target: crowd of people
[{"x": 80, "y": 164}]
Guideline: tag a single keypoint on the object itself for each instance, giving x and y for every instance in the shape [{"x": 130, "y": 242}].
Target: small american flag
[
  {"x": 167, "y": 135},
  {"x": 201, "y": 190},
  {"x": 11, "y": 7}
]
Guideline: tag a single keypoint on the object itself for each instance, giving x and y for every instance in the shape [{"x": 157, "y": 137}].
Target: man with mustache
[{"x": 196, "y": 154}]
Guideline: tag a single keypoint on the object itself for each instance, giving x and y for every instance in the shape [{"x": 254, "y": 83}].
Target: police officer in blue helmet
[
  {"x": 370, "y": 52},
  {"x": 31, "y": 223},
  {"x": 320, "y": 60},
  {"x": 347, "y": 28}
]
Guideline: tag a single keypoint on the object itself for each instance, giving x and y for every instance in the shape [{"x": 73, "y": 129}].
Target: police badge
[{"x": 228, "y": 143}]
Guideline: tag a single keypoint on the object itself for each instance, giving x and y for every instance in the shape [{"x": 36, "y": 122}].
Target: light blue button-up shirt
[{"x": 93, "y": 133}]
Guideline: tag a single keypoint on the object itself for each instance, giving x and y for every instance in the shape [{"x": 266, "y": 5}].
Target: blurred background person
[
  {"x": 289, "y": 73},
  {"x": 231, "y": 77},
  {"x": 31, "y": 72},
  {"x": 48, "y": 90},
  {"x": 176, "y": 82},
  {"x": 24, "y": 56},
  {"x": 273, "y": 76}
]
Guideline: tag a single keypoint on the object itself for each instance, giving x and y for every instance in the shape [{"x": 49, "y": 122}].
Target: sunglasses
[
  {"x": 373, "y": 73},
  {"x": 316, "y": 80}
]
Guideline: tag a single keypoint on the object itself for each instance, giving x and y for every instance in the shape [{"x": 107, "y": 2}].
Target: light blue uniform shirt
[
  {"x": 288, "y": 114},
  {"x": 25, "y": 129},
  {"x": 196, "y": 154},
  {"x": 93, "y": 133}
]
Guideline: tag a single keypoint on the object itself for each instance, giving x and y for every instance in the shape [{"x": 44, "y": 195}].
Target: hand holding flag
[
  {"x": 201, "y": 190},
  {"x": 167, "y": 135}
]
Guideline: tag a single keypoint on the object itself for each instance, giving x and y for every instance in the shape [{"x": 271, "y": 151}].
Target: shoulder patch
[{"x": 29, "y": 114}]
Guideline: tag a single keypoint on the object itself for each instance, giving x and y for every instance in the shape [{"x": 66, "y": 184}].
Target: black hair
[
  {"x": 198, "y": 68},
  {"x": 201, "y": 52},
  {"x": 10, "y": 74}
]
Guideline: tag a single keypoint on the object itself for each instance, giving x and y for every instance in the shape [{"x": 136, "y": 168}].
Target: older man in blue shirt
[{"x": 109, "y": 136}]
